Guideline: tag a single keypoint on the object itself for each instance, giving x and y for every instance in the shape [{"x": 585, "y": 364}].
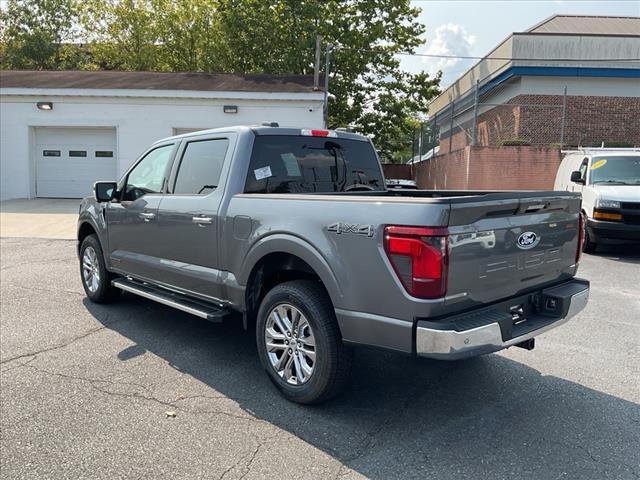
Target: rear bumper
[
  {"x": 490, "y": 329},
  {"x": 600, "y": 231}
]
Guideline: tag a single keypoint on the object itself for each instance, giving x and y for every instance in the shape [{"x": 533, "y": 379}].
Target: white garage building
[{"x": 62, "y": 130}]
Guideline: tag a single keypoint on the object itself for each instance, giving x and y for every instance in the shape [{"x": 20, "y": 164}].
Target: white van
[{"x": 609, "y": 180}]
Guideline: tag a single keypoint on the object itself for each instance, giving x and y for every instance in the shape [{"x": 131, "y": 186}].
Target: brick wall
[
  {"x": 397, "y": 171},
  {"x": 491, "y": 168},
  {"x": 538, "y": 118}
]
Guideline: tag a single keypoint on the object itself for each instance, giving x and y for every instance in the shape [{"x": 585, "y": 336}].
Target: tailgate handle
[{"x": 535, "y": 208}]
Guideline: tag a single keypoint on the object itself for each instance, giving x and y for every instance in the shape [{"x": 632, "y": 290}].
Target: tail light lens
[
  {"x": 420, "y": 258},
  {"x": 581, "y": 227}
]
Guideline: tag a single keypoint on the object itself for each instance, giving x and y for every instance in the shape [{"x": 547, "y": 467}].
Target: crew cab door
[
  {"x": 188, "y": 223},
  {"x": 132, "y": 221}
]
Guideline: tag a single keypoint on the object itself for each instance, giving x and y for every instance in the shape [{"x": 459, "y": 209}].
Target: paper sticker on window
[
  {"x": 598, "y": 164},
  {"x": 261, "y": 173},
  {"x": 291, "y": 164}
]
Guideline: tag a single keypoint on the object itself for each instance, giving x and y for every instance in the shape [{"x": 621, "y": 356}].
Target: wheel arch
[{"x": 280, "y": 258}]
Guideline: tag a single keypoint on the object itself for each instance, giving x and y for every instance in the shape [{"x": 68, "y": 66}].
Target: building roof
[
  {"x": 562, "y": 45},
  {"x": 588, "y": 25},
  {"x": 203, "y": 82}
]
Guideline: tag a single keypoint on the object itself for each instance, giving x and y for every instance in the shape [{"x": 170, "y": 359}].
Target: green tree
[
  {"x": 188, "y": 32},
  {"x": 33, "y": 33},
  {"x": 372, "y": 93},
  {"x": 123, "y": 34}
]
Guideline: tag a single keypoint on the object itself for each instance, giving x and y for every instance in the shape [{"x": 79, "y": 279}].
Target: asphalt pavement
[{"x": 138, "y": 390}]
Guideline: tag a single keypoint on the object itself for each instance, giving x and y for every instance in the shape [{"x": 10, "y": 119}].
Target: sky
[{"x": 474, "y": 28}]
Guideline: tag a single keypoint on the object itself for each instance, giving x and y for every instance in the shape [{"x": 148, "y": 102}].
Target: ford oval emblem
[{"x": 528, "y": 240}]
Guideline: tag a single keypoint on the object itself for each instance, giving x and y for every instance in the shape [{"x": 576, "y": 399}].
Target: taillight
[
  {"x": 318, "y": 133},
  {"x": 420, "y": 258},
  {"x": 581, "y": 227}
]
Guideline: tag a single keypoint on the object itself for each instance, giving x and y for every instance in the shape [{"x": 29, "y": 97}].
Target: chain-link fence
[{"x": 537, "y": 120}]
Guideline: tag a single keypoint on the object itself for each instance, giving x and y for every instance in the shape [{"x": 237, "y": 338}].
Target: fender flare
[{"x": 292, "y": 245}]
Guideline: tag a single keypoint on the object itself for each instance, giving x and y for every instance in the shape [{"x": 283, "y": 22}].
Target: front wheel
[
  {"x": 588, "y": 246},
  {"x": 299, "y": 342},
  {"x": 96, "y": 279}
]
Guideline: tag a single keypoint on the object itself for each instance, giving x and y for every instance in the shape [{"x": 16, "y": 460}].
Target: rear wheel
[
  {"x": 299, "y": 342},
  {"x": 96, "y": 279}
]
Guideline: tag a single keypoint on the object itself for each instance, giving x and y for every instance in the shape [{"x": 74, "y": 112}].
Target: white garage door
[{"x": 70, "y": 160}]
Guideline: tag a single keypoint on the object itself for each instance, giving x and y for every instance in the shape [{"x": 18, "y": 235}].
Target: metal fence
[{"x": 559, "y": 120}]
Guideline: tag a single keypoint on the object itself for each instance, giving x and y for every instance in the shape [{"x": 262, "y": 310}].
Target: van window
[
  {"x": 299, "y": 164},
  {"x": 615, "y": 170}
]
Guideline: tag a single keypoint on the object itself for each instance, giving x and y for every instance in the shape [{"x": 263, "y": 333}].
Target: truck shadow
[
  {"x": 403, "y": 417},
  {"x": 619, "y": 253}
]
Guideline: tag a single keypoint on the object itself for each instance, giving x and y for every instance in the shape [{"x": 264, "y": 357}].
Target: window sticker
[
  {"x": 291, "y": 164},
  {"x": 599, "y": 164},
  {"x": 262, "y": 173}
]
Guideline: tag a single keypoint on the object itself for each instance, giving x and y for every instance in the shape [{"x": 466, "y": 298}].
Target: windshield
[
  {"x": 616, "y": 170},
  {"x": 298, "y": 164}
]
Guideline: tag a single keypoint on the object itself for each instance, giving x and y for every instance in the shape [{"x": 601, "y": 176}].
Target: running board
[{"x": 180, "y": 302}]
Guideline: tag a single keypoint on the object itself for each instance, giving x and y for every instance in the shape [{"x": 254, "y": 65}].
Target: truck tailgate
[{"x": 500, "y": 248}]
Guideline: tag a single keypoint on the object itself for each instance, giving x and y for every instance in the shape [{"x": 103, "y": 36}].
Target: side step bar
[{"x": 200, "y": 309}]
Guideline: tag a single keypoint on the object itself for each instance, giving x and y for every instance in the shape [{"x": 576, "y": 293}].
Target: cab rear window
[{"x": 298, "y": 164}]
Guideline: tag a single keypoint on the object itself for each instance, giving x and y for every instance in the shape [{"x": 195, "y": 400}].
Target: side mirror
[
  {"x": 104, "y": 191},
  {"x": 576, "y": 177}
]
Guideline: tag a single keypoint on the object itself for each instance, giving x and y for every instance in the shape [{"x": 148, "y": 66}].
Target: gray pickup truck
[{"x": 295, "y": 232}]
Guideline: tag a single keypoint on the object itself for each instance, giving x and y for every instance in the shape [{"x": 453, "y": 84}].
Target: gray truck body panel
[{"x": 214, "y": 262}]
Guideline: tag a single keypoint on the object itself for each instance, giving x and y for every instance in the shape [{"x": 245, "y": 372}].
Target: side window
[
  {"x": 583, "y": 169},
  {"x": 200, "y": 167},
  {"x": 149, "y": 174}
]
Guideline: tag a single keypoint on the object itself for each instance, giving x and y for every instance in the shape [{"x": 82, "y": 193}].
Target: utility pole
[
  {"x": 327, "y": 62},
  {"x": 474, "y": 131},
  {"x": 316, "y": 70},
  {"x": 453, "y": 108},
  {"x": 564, "y": 113}
]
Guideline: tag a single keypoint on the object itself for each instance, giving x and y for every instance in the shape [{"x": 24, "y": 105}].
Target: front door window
[{"x": 149, "y": 174}]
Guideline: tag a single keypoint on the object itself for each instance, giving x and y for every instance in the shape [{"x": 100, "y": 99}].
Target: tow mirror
[
  {"x": 576, "y": 177},
  {"x": 104, "y": 191}
]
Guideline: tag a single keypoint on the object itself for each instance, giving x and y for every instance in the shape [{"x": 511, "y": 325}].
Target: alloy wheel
[{"x": 291, "y": 345}]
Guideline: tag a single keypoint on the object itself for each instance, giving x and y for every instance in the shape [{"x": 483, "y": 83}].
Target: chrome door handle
[
  {"x": 202, "y": 220},
  {"x": 147, "y": 216}
]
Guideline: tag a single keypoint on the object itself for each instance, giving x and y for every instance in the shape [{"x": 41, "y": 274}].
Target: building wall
[
  {"x": 138, "y": 123},
  {"x": 538, "y": 119},
  {"x": 490, "y": 168}
]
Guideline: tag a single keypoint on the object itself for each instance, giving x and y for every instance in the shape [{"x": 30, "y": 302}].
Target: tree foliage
[{"x": 372, "y": 94}]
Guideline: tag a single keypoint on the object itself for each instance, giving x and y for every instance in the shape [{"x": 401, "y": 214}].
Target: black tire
[
  {"x": 588, "y": 246},
  {"x": 332, "y": 365},
  {"x": 104, "y": 292}
]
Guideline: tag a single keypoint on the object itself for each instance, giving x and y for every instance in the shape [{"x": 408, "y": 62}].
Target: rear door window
[
  {"x": 299, "y": 164},
  {"x": 200, "y": 168}
]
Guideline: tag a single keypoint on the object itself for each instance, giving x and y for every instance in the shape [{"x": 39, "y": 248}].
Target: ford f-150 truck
[{"x": 295, "y": 232}]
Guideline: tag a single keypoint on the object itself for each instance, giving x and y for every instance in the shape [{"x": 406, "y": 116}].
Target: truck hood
[{"x": 622, "y": 193}]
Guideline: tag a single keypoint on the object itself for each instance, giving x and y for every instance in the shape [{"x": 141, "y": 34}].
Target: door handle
[
  {"x": 202, "y": 220},
  {"x": 147, "y": 216}
]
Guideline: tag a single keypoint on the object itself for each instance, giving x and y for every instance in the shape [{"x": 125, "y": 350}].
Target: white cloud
[{"x": 449, "y": 39}]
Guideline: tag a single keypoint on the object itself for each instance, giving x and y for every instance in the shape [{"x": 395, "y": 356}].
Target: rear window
[{"x": 295, "y": 164}]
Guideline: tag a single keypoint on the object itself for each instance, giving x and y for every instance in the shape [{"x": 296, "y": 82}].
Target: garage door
[{"x": 70, "y": 160}]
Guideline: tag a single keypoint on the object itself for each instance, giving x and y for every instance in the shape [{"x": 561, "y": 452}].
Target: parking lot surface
[{"x": 86, "y": 391}]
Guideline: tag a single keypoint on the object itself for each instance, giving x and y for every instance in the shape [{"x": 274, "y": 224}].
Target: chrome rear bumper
[{"x": 452, "y": 344}]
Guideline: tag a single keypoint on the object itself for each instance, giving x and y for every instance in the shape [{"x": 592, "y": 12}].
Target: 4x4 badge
[{"x": 354, "y": 228}]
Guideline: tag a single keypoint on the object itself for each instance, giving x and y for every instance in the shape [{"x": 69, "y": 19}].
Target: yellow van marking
[{"x": 598, "y": 164}]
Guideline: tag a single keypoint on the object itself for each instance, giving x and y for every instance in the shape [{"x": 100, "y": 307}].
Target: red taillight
[
  {"x": 420, "y": 259},
  {"x": 581, "y": 227},
  {"x": 318, "y": 133}
]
